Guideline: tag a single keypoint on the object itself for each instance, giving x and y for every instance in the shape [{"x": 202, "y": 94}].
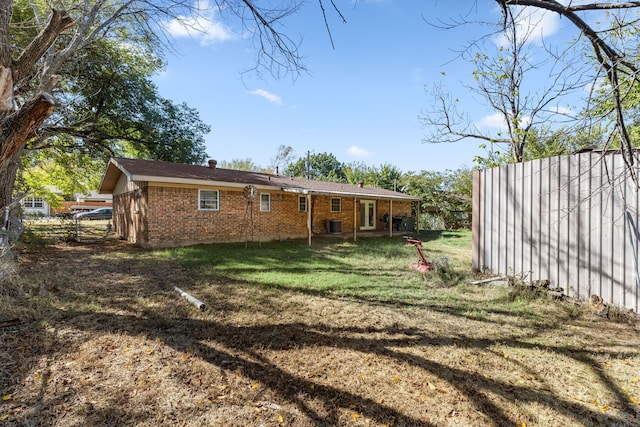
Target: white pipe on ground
[{"x": 191, "y": 299}]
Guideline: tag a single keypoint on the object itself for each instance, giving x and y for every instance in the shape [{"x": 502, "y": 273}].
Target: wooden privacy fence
[{"x": 572, "y": 220}]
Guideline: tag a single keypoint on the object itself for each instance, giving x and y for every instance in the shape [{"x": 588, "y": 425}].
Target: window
[
  {"x": 336, "y": 206},
  {"x": 208, "y": 200},
  {"x": 33, "y": 202},
  {"x": 265, "y": 202},
  {"x": 302, "y": 203},
  {"x": 136, "y": 199}
]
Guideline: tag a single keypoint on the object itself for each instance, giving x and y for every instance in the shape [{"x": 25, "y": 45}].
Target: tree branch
[
  {"x": 608, "y": 58},
  {"x": 58, "y": 22},
  {"x": 19, "y": 126}
]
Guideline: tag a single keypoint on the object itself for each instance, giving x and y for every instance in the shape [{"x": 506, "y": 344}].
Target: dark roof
[{"x": 159, "y": 171}]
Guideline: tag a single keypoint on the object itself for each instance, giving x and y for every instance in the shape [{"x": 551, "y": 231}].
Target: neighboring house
[
  {"x": 85, "y": 203},
  {"x": 36, "y": 205},
  {"x": 573, "y": 221},
  {"x": 162, "y": 204}
]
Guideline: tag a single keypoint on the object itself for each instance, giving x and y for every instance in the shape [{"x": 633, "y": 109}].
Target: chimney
[
  {"x": 360, "y": 184},
  {"x": 213, "y": 163}
]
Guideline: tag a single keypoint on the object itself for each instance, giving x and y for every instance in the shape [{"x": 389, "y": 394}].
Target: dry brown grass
[{"x": 106, "y": 341}]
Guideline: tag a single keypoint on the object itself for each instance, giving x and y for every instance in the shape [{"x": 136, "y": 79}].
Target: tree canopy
[{"x": 76, "y": 77}]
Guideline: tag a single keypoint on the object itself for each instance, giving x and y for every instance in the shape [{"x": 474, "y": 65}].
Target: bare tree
[
  {"x": 613, "y": 62},
  {"x": 500, "y": 81}
]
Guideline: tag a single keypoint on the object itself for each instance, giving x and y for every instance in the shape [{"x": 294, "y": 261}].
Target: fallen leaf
[
  {"x": 185, "y": 357},
  {"x": 7, "y": 397},
  {"x": 355, "y": 416},
  {"x": 255, "y": 386},
  {"x": 396, "y": 379},
  {"x": 280, "y": 419}
]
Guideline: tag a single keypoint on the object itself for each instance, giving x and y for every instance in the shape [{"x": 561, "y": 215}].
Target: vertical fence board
[
  {"x": 570, "y": 219},
  {"x": 518, "y": 223}
]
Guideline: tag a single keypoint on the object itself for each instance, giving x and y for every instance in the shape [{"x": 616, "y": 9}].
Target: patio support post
[{"x": 390, "y": 218}]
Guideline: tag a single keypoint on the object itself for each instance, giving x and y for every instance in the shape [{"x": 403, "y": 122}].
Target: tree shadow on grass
[
  {"x": 232, "y": 347},
  {"x": 242, "y": 345}
]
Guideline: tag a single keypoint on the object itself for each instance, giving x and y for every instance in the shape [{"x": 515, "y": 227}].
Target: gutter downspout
[
  {"x": 309, "y": 217},
  {"x": 355, "y": 236}
]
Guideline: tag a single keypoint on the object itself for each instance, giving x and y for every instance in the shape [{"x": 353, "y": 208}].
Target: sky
[{"x": 362, "y": 97}]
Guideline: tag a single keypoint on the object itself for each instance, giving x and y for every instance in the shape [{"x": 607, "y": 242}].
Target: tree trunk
[
  {"x": 21, "y": 125},
  {"x": 7, "y": 180}
]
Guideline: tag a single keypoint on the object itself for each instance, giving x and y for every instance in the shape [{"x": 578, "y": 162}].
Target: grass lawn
[{"x": 337, "y": 334}]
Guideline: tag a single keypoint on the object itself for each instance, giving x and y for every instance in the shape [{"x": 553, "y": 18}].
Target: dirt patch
[{"x": 110, "y": 343}]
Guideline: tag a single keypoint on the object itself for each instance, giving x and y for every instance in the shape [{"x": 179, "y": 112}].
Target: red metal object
[{"x": 422, "y": 265}]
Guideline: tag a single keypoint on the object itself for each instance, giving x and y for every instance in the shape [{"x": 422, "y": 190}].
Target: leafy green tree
[
  {"x": 387, "y": 176},
  {"x": 43, "y": 52},
  {"x": 356, "y": 172},
  {"x": 446, "y": 196},
  {"x": 112, "y": 109},
  {"x": 282, "y": 159},
  {"x": 320, "y": 167},
  {"x": 241, "y": 165}
]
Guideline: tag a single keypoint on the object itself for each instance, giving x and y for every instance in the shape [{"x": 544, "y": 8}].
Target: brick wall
[
  {"x": 174, "y": 218},
  {"x": 169, "y": 216}
]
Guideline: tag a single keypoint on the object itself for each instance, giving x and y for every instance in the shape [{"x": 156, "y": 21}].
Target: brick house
[{"x": 163, "y": 204}]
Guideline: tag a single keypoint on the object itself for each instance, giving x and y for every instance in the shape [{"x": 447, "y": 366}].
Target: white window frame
[
  {"x": 266, "y": 208},
  {"x": 302, "y": 204},
  {"x": 339, "y": 204},
  {"x": 34, "y": 202},
  {"x": 201, "y": 200},
  {"x": 136, "y": 201}
]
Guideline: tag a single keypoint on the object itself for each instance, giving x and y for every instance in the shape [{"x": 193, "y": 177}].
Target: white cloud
[
  {"x": 359, "y": 151},
  {"x": 202, "y": 25},
  {"x": 271, "y": 97},
  {"x": 533, "y": 23},
  {"x": 495, "y": 120},
  {"x": 562, "y": 110}
]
